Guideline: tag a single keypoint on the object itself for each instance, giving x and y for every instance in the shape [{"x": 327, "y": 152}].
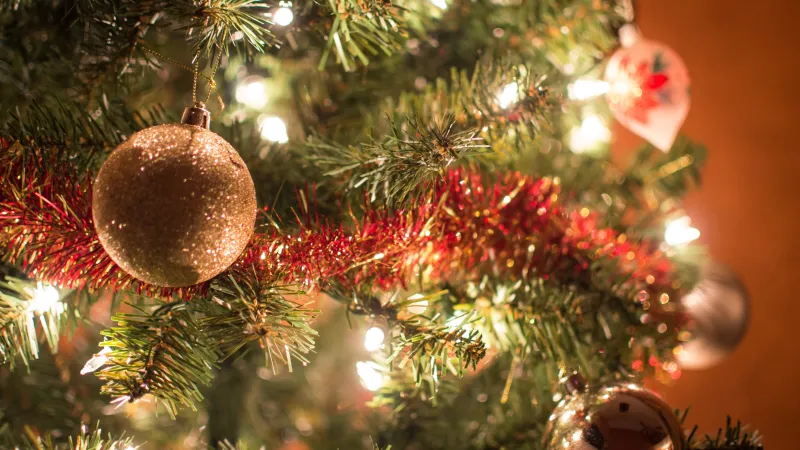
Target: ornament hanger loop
[{"x": 627, "y": 11}]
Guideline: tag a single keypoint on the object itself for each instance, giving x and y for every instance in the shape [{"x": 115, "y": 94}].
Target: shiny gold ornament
[
  {"x": 615, "y": 417},
  {"x": 174, "y": 205}
]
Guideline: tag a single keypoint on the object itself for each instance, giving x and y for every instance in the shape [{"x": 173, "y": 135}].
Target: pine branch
[
  {"x": 64, "y": 130},
  {"x": 731, "y": 437},
  {"x": 671, "y": 173},
  {"x": 493, "y": 99},
  {"x": 243, "y": 310},
  {"x": 165, "y": 354},
  {"x": 48, "y": 397},
  {"x": 472, "y": 414},
  {"x": 434, "y": 350},
  {"x": 27, "y": 308},
  {"x": 394, "y": 167},
  {"x": 212, "y": 24},
  {"x": 361, "y": 28},
  {"x": 86, "y": 440},
  {"x": 109, "y": 48},
  {"x": 594, "y": 328}
]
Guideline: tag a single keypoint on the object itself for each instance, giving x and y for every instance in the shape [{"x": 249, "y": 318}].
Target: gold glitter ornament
[
  {"x": 174, "y": 205},
  {"x": 622, "y": 416}
]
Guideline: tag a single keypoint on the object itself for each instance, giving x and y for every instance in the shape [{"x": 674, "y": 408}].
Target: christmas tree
[{"x": 376, "y": 225}]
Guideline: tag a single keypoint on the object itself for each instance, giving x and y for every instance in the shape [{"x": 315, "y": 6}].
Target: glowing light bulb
[
  {"x": 589, "y": 135},
  {"x": 417, "y": 307},
  {"x": 252, "y": 92},
  {"x": 584, "y": 89},
  {"x": 44, "y": 298},
  {"x": 273, "y": 129},
  {"x": 373, "y": 339},
  {"x": 97, "y": 361},
  {"x": 441, "y": 4},
  {"x": 680, "y": 232},
  {"x": 283, "y": 16},
  {"x": 371, "y": 377},
  {"x": 509, "y": 95}
]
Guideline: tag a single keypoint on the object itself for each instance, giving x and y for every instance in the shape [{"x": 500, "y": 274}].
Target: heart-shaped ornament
[{"x": 648, "y": 90}]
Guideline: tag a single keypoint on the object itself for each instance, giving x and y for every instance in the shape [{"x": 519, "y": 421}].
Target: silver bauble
[
  {"x": 719, "y": 311},
  {"x": 621, "y": 416}
]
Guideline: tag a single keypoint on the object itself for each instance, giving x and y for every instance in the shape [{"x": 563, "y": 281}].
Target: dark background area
[{"x": 743, "y": 58}]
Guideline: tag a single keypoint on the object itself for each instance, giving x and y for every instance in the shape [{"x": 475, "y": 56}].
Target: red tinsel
[{"x": 512, "y": 226}]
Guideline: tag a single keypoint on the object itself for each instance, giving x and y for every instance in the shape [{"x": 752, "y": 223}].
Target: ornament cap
[
  {"x": 197, "y": 115},
  {"x": 575, "y": 383}
]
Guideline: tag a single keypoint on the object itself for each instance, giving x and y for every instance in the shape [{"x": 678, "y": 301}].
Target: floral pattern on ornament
[{"x": 650, "y": 87}]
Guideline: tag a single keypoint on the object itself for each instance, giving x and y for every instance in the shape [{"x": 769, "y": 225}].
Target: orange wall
[{"x": 744, "y": 59}]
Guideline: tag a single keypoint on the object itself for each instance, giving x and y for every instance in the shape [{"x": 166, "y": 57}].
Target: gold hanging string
[
  {"x": 195, "y": 71},
  {"x": 510, "y": 379},
  {"x": 212, "y": 85}
]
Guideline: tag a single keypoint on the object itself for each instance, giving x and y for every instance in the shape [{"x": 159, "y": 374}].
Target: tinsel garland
[{"x": 513, "y": 226}]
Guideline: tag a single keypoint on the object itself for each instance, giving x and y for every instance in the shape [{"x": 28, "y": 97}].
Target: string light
[
  {"x": 97, "y": 361},
  {"x": 373, "y": 339},
  {"x": 283, "y": 16},
  {"x": 273, "y": 129},
  {"x": 252, "y": 92},
  {"x": 44, "y": 298},
  {"x": 585, "y": 89},
  {"x": 680, "y": 232},
  {"x": 419, "y": 306},
  {"x": 589, "y": 135},
  {"x": 509, "y": 95},
  {"x": 371, "y": 377}
]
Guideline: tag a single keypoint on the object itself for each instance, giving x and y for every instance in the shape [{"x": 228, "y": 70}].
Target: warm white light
[
  {"x": 45, "y": 298},
  {"x": 587, "y": 136},
  {"x": 417, "y": 306},
  {"x": 585, "y": 89},
  {"x": 441, "y": 4},
  {"x": 252, "y": 92},
  {"x": 283, "y": 16},
  {"x": 371, "y": 377},
  {"x": 97, "y": 361},
  {"x": 373, "y": 339},
  {"x": 273, "y": 129},
  {"x": 680, "y": 232},
  {"x": 509, "y": 95}
]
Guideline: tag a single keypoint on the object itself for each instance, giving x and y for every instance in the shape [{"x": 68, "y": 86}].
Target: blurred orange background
[{"x": 743, "y": 58}]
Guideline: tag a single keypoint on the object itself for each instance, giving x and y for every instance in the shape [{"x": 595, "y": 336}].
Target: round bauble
[
  {"x": 719, "y": 310},
  {"x": 621, "y": 416},
  {"x": 174, "y": 205},
  {"x": 648, "y": 88}
]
